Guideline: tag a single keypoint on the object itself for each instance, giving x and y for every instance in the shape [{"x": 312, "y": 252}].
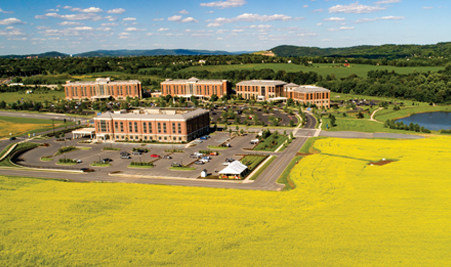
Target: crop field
[
  {"x": 343, "y": 212},
  {"x": 19, "y": 126},
  {"x": 50, "y": 96},
  {"x": 322, "y": 69}
]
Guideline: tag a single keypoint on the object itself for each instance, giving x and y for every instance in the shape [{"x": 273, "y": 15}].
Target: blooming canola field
[{"x": 343, "y": 212}]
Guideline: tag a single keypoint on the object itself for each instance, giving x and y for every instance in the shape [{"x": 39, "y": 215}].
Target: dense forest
[{"x": 388, "y": 51}]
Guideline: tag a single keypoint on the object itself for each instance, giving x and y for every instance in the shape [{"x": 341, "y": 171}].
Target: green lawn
[
  {"x": 321, "y": 69},
  {"x": 182, "y": 168},
  {"x": 271, "y": 143},
  {"x": 357, "y": 125},
  {"x": 139, "y": 167},
  {"x": 46, "y": 159},
  {"x": 50, "y": 96},
  {"x": 100, "y": 165},
  {"x": 218, "y": 147},
  {"x": 308, "y": 145},
  {"x": 23, "y": 126},
  {"x": 252, "y": 161},
  {"x": 66, "y": 163},
  {"x": 285, "y": 176},
  {"x": 339, "y": 96}
]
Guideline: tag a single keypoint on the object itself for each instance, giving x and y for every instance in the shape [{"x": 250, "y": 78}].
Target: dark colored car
[
  {"x": 175, "y": 164},
  {"x": 106, "y": 160},
  {"x": 198, "y": 162},
  {"x": 86, "y": 170},
  {"x": 12, "y": 138}
]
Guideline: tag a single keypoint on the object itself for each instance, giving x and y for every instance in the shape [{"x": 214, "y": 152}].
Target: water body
[{"x": 430, "y": 120}]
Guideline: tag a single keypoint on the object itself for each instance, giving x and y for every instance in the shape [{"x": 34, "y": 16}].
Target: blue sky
[{"x": 232, "y": 25}]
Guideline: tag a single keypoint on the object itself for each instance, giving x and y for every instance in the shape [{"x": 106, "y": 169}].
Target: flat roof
[
  {"x": 192, "y": 80},
  {"x": 262, "y": 83},
  {"x": 310, "y": 89},
  {"x": 85, "y": 131},
  {"x": 70, "y": 83},
  {"x": 149, "y": 116}
]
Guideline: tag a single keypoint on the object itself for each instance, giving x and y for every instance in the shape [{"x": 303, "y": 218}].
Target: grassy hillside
[
  {"x": 343, "y": 212},
  {"x": 321, "y": 69}
]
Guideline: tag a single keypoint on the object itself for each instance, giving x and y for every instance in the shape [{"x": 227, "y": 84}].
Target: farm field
[
  {"x": 13, "y": 97},
  {"x": 343, "y": 212},
  {"x": 20, "y": 126},
  {"x": 321, "y": 68}
]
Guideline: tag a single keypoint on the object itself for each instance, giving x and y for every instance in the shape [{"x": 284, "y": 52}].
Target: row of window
[
  {"x": 145, "y": 137},
  {"x": 254, "y": 89},
  {"x": 146, "y": 127},
  {"x": 92, "y": 90},
  {"x": 201, "y": 89}
]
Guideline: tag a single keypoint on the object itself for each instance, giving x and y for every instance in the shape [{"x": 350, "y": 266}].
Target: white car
[
  {"x": 78, "y": 160},
  {"x": 226, "y": 163},
  {"x": 204, "y": 160}
]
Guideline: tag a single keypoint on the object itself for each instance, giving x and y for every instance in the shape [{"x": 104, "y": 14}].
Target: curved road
[{"x": 266, "y": 181}]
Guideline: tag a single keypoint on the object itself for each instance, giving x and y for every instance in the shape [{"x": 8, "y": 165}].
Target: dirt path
[{"x": 372, "y": 115}]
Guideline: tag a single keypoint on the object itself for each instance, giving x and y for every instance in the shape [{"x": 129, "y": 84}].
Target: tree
[
  {"x": 242, "y": 131},
  {"x": 292, "y": 123},
  {"x": 332, "y": 121},
  {"x": 237, "y": 128},
  {"x": 214, "y": 98},
  {"x": 360, "y": 115}
]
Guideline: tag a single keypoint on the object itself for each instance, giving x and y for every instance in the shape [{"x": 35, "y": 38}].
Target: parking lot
[
  {"x": 161, "y": 169},
  {"x": 244, "y": 114}
]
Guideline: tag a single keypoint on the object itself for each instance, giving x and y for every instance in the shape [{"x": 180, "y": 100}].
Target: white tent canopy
[{"x": 235, "y": 168}]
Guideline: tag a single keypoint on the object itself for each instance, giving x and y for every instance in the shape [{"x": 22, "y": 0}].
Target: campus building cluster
[
  {"x": 196, "y": 87},
  {"x": 262, "y": 90},
  {"x": 174, "y": 125},
  {"x": 102, "y": 88}
]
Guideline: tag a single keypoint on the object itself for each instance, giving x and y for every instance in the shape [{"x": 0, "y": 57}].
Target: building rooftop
[
  {"x": 262, "y": 83},
  {"x": 178, "y": 114},
  {"x": 310, "y": 89},
  {"x": 102, "y": 81},
  {"x": 192, "y": 80}
]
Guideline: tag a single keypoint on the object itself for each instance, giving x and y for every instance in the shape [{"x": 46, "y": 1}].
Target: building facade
[
  {"x": 260, "y": 89},
  {"x": 102, "y": 88},
  {"x": 196, "y": 87},
  {"x": 175, "y": 125},
  {"x": 309, "y": 94}
]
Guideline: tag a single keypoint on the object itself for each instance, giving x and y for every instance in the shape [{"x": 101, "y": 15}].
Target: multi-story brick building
[
  {"x": 196, "y": 87},
  {"x": 102, "y": 88},
  {"x": 308, "y": 94},
  {"x": 153, "y": 124},
  {"x": 260, "y": 89}
]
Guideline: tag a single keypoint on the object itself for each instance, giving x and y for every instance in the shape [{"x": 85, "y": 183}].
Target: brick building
[
  {"x": 196, "y": 87},
  {"x": 157, "y": 124},
  {"x": 102, "y": 88},
  {"x": 308, "y": 94},
  {"x": 260, "y": 89}
]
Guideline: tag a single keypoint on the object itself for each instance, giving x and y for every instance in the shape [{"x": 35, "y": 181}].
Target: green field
[
  {"x": 50, "y": 96},
  {"x": 339, "y": 96},
  {"x": 385, "y": 114},
  {"x": 22, "y": 126},
  {"x": 343, "y": 212},
  {"x": 322, "y": 69}
]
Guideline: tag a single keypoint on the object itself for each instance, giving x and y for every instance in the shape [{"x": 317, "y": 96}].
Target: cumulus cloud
[
  {"x": 124, "y": 35},
  {"x": 11, "y": 31},
  {"x": 427, "y": 7},
  {"x": 110, "y": 18},
  {"x": 225, "y": 4},
  {"x": 158, "y": 19},
  {"x": 109, "y": 24},
  {"x": 183, "y": 11},
  {"x": 11, "y": 21},
  {"x": 344, "y": 28},
  {"x": 381, "y": 18},
  {"x": 317, "y": 10},
  {"x": 116, "y": 11},
  {"x": 355, "y": 8},
  {"x": 6, "y": 12},
  {"x": 52, "y": 10},
  {"x": 386, "y": 2},
  {"x": 189, "y": 19},
  {"x": 334, "y": 19},
  {"x": 134, "y": 29},
  {"x": 129, "y": 19},
  {"x": 70, "y": 23},
  {"x": 251, "y": 18},
  {"x": 175, "y": 18},
  {"x": 87, "y": 10},
  {"x": 83, "y": 16},
  {"x": 162, "y": 29},
  {"x": 104, "y": 29}
]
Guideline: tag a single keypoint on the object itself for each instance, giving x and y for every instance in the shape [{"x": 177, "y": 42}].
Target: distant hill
[
  {"x": 154, "y": 52},
  {"x": 46, "y": 54},
  {"x": 389, "y": 51}
]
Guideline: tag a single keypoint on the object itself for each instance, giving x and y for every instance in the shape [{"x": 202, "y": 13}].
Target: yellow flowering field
[{"x": 343, "y": 212}]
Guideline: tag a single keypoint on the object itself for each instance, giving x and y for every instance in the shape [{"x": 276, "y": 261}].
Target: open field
[
  {"x": 339, "y": 96},
  {"x": 21, "y": 126},
  {"x": 50, "y": 96},
  {"x": 321, "y": 69},
  {"x": 342, "y": 212}
]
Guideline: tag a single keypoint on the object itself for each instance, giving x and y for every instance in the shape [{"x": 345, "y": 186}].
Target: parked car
[
  {"x": 167, "y": 157},
  {"x": 226, "y": 163},
  {"x": 154, "y": 156},
  {"x": 175, "y": 164},
  {"x": 12, "y": 138},
  {"x": 198, "y": 141},
  {"x": 198, "y": 162},
  {"x": 229, "y": 160},
  {"x": 204, "y": 137},
  {"x": 78, "y": 160},
  {"x": 193, "y": 156},
  {"x": 137, "y": 153},
  {"x": 123, "y": 153},
  {"x": 207, "y": 157},
  {"x": 106, "y": 160},
  {"x": 125, "y": 157},
  {"x": 86, "y": 170},
  {"x": 205, "y": 160}
]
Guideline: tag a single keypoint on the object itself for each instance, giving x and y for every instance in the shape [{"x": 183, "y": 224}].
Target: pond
[{"x": 430, "y": 120}]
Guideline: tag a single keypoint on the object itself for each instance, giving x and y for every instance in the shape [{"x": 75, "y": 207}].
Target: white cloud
[
  {"x": 134, "y": 29},
  {"x": 428, "y": 7},
  {"x": 70, "y": 23},
  {"x": 11, "y": 21},
  {"x": 87, "y": 10},
  {"x": 162, "y": 29},
  {"x": 210, "y": 12},
  {"x": 317, "y": 10},
  {"x": 40, "y": 17},
  {"x": 54, "y": 38},
  {"x": 183, "y": 11},
  {"x": 109, "y": 24},
  {"x": 319, "y": 24},
  {"x": 110, "y": 18},
  {"x": 158, "y": 19},
  {"x": 305, "y": 6},
  {"x": 189, "y": 19},
  {"x": 38, "y": 27},
  {"x": 344, "y": 28},
  {"x": 52, "y": 10},
  {"x": 251, "y": 18},
  {"x": 84, "y": 28},
  {"x": 381, "y": 18},
  {"x": 386, "y": 2},
  {"x": 67, "y": 7},
  {"x": 129, "y": 19},
  {"x": 237, "y": 30},
  {"x": 104, "y": 29},
  {"x": 124, "y": 35},
  {"x": 225, "y": 4},
  {"x": 334, "y": 19},
  {"x": 326, "y": 40},
  {"x": 355, "y": 8},
  {"x": 11, "y": 31},
  {"x": 116, "y": 11},
  {"x": 18, "y": 39},
  {"x": 85, "y": 16},
  {"x": 175, "y": 18}
]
